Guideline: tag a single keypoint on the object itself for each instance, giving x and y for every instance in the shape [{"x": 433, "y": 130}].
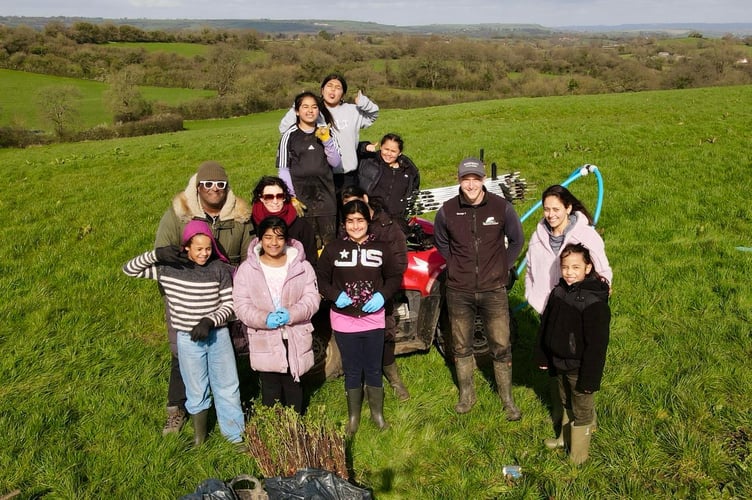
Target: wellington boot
[
  {"x": 558, "y": 442},
  {"x": 464, "y": 368},
  {"x": 594, "y": 425},
  {"x": 354, "y": 404},
  {"x": 503, "y": 374},
  {"x": 580, "y": 444},
  {"x": 200, "y": 422},
  {"x": 393, "y": 376},
  {"x": 375, "y": 397}
]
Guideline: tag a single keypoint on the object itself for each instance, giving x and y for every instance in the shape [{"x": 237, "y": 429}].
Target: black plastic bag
[
  {"x": 242, "y": 487},
  {"x": 212, "y": 489},
  {"x": 313, "y": 484}
]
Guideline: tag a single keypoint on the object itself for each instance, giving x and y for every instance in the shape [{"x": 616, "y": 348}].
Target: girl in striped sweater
[{"x": 197, "y": 282}]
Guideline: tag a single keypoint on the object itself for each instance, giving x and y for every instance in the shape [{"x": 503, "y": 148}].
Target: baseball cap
[{"x": 471, "y": 166}]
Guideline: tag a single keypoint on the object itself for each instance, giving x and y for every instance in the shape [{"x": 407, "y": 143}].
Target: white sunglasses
[{"x": 211, "y": 184}]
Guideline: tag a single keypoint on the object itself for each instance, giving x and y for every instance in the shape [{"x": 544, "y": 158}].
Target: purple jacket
[
  {"x": 253, "y": 303},
  {"x": 543, "y": 270}
]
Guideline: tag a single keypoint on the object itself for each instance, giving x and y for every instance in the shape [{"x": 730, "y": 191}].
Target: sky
[{"x": 549, "y": 13}]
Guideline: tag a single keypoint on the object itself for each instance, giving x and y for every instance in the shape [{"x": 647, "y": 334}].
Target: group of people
[{"x": 325, "y": 238}]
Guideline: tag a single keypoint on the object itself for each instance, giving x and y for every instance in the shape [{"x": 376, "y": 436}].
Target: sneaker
[{"x": 176, "y": 419}]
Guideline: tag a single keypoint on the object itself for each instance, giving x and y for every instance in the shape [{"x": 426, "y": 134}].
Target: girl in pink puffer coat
[{"x": 275, "y": 295}]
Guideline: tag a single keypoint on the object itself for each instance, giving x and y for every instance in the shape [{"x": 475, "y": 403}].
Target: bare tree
[
  {"x": 223, "y": 67},
  {"x": 123, "y": 98},
  {"x": 59, "y": 105}
]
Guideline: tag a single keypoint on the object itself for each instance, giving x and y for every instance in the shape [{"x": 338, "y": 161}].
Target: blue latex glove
[
  {"x": 272, "y": 321},
  {"x": 375, "y": 303},
  {"x": 283, "y": 314},
  {"x": 343, "y": 300}
]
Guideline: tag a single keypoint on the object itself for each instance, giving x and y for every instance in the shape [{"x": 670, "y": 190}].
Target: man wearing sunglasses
[{"x": 208, "y": 197}]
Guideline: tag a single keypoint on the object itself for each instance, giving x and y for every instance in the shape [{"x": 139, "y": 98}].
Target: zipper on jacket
[{"x": 475, "y": 244}]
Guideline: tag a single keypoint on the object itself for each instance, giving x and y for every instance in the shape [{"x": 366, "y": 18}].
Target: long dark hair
[
  {"x": 567, "y": 199},
  {"x": 319, "y": 102}
]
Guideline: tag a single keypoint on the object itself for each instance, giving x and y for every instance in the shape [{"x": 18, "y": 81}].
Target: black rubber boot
[
  {"x": 503, "y": 373},
  {"x": 464, "y": 368},
  {"x": 375, "y": 397},
  {"x": 354, "y": 403},
  {"x": 393, "y": 376},
  {"x": 200, "y": 423}
]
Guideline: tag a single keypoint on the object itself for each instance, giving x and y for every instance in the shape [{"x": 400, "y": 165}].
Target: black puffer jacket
[
  {"x": 574, "y": 331},
  {"x": 394, "y": 186}
]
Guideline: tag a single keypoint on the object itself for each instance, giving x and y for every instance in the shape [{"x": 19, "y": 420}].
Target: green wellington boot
[
  {"x": 200, "y": 422},
  {"x": 503, "y": 374},
  {"x": 375, "y": 397},
  {"x": 580, "y": 445},
  {"x": 464, "y": 368},
  {"x": 393, "y": 376},
  {"x": 354, "y": 404}
]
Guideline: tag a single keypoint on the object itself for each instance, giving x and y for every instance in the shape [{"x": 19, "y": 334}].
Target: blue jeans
[
  {"x": 210, "y": 364},
  {"x": 361, "y": 357},
  {"x": 493, "y": 309}
]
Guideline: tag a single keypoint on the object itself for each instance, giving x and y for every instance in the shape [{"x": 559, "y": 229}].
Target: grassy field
[
  {"x": 85, "y": 362},
  {"x": 19, "y": 106}
]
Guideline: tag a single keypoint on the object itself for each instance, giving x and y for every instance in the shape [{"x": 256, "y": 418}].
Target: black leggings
[{"x": 283, "y": 388}]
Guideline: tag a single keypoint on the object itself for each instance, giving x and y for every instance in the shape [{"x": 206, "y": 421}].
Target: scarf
[{"x": 260, "y": 213}]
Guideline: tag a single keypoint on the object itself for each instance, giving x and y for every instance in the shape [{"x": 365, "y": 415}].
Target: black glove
[
  {"x": 512, "y": 278},
  {"x": 171, "y": 254},
  {"x": 201, "y": 330}
]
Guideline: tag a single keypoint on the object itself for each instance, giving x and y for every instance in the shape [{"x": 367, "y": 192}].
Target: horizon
[{"x": 551, "y": 13}]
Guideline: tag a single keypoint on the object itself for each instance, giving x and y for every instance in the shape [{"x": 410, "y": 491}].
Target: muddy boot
[
  {"x": 580, "y": 443},
  {"x": 594, "y": 425},
  {"x": 503, "y": 373},
  {"x": 354, "y": 403},
  {"x": 393, "y": 376},
  {"x": 558, "y": 442},
  {"x": 200, "y": 423},
  {"x": 176, "y": 418},
  {"x": 375, "y": 397},
  {"x": 464, "y": 368}
]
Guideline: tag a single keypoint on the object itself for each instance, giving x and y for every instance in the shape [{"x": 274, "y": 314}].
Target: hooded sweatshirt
[{"x": 574, "y": 331}]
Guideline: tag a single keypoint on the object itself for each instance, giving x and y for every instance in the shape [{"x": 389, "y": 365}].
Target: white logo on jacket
[
  {"x": 368, "y": 257},
  {"x": 491, "y": 221}
]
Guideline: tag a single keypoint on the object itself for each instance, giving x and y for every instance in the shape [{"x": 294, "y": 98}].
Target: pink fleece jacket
[{"x": 543, "y": 270}]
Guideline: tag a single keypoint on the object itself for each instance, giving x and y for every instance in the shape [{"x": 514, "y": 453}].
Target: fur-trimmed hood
[{"x": 188, "y": 206}]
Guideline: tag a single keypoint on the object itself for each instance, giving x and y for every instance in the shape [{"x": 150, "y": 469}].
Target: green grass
[
  {"x": 85, "y": 361},
  {"x": 19, "y": 106}
]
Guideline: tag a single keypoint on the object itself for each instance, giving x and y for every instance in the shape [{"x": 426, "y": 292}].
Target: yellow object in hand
[
  {"x": 323, "y": 133},
  {"x": 299, "y": 207}
]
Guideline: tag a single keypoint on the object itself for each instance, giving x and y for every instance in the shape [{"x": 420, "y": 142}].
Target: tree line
[{"x": 251, "y": 72}]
